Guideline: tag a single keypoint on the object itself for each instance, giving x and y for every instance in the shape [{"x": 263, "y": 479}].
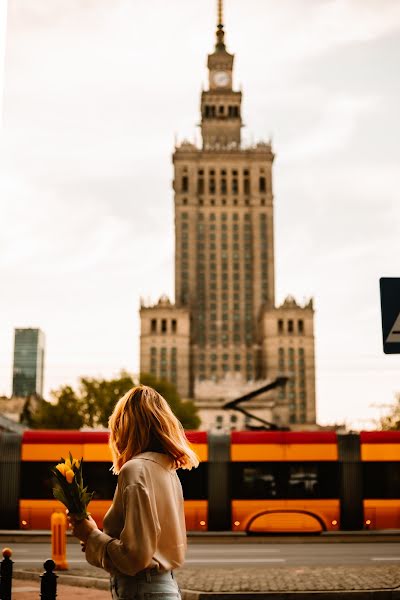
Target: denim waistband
[{"x": 146, "y": 574}]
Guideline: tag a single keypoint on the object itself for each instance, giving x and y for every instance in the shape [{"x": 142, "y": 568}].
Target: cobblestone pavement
[
  {"x": 256, "y": 579},
  {"x": 289, "y": 579}
]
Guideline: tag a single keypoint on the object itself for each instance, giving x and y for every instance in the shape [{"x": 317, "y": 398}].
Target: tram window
[
  {"x": 194, "y": 482},
  {"x": 303, "y": 481},
  {"x": 37, "y": 480},
  {"x": 259, "y": 480},
  {"x": 313, "y": 480},
  {"x": 381, "y": 480},
  {"x": 254, "y": 480}
]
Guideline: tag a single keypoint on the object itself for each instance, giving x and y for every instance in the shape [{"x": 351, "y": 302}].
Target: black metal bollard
[
  {"x": 48, "y": 583},
  {"x": 6, "y": 569}
]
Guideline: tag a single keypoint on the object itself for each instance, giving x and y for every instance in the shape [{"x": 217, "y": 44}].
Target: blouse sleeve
[{"x": 134, "y": 550}]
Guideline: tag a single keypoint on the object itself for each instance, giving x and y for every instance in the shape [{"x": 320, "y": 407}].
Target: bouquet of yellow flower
[{"x": 68, "y": 487}]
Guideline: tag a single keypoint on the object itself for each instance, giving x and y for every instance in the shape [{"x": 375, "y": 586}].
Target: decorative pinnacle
[
  {"x": 220, "y": 26},
  {"x": 220, "y": 12}
]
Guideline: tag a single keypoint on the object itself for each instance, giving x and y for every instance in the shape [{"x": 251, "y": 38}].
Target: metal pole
[
  {"x": 6, "y": 569},
  {"x": 48, "y": 583}
]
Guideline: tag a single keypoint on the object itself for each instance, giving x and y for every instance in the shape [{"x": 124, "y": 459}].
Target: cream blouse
[{"x": 145, "y": 526}]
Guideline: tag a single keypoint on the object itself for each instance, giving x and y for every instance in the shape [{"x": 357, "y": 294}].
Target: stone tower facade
[{"x": 224, "y": 269}]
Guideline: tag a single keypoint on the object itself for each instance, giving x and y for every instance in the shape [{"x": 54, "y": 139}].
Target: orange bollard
[{"x": 59, "y": 540}]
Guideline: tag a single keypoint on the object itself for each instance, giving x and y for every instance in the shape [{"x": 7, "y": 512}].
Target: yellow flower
[
  {"x": 68, "y": 464},
  {"x": 69, "y": 475},
  {"x": 76, "y": 463},
  {"x": 61, "y": 468}
]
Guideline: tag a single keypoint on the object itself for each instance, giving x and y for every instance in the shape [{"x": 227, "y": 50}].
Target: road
[{"x": 32, "y": 555}]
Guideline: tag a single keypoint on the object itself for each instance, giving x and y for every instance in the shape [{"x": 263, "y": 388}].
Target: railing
[{"x": 48, "y": 580}]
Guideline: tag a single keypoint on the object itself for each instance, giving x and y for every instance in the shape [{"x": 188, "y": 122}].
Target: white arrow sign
[{"x": 394, "y": 333}]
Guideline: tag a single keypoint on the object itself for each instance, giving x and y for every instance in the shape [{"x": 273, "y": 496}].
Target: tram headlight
[
  {"x": 202, "y": 522},
  {"x": 334, "y": 522},
  {"x": 368, "y": 522},
  {"x": 237, "y": 523}
]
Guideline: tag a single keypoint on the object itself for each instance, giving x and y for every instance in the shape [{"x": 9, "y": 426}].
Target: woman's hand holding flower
[{"x": 82, "y": 528}]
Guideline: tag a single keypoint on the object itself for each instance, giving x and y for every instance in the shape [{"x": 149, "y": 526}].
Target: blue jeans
[{"x": 145, "y": 585}]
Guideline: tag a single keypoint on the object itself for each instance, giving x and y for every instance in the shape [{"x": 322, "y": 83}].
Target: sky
[{"x": 94, "y": 93}]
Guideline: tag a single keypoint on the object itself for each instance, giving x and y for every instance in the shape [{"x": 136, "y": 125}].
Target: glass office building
[{"x": 28, "y": 362}]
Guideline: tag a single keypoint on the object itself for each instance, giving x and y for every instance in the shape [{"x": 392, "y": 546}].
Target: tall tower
[
  {"x": 224, "y": 249},
  {"x": 28, "y": 368},
  {"x": 224, "y": 331}
]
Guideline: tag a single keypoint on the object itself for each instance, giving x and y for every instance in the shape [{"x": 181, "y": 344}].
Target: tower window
[
  {"x": 221, "y": 110},
  {"x": 246, "y": 185},
  {"x": 185, "y": 184},
  {"x": 163, "y": 325},
  {"x": 300, "y": 326},
  {"x": 280, "y": 326},
  {"x": 211, "y": 186},
  {"x": 173, "y": 326},
  {"x": 235, "y": 186},
  {"x": 290, "y": 326},
  {"x": 184, "y": 201},
  {"x": 262, "y": 184},
  {"x": 154, "y": 326},
  {"x": 223, "y": 186},
  {"x": 200, "y": 185}
]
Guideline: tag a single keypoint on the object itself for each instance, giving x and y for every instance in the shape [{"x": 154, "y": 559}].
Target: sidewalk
[
  {"x": 286, "y": 583},
  {"x": 30, "y": 590}
]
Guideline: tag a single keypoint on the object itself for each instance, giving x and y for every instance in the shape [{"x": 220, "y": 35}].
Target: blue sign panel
[{"x": 390, "y": 307}]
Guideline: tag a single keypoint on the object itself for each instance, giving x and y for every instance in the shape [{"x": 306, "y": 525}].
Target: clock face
[{"x": 221, "y": 78}]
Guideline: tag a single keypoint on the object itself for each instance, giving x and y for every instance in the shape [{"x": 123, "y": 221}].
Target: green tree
[
  {"x": 94, "y": 402},
  {"x": 185, "y": 411},
  {"x": 391, "y": 421},
  {"x": 64, "y": 413},
  {"x": 99, "y": 396}
]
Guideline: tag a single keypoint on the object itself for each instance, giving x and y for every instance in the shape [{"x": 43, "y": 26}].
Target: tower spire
[
  {"x": 220, "y": 45},
  {"x": 220, "y": 12}
]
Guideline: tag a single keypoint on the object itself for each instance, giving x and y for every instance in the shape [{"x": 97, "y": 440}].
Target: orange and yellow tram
[{"x": 251, "y": 481}]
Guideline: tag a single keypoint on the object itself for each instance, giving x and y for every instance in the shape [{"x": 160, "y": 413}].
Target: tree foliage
[
  {"x": 99, "y": 396},
  {"x": 185, "y": 411},
  {"x": 64, "y": 413},
  {"x": 93, "y": 402},
  {"x": 391, "y": 421}
]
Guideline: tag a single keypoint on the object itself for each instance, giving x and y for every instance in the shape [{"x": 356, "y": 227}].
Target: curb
[
  {"x": 103, "y": 584},
  {"x": 225, "y": 537}
]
